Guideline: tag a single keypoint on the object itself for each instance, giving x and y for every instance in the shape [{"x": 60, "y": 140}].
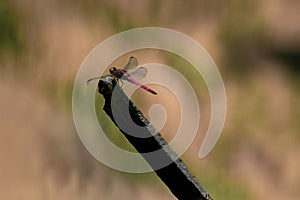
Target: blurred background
[{"x": 255, "y": 44}]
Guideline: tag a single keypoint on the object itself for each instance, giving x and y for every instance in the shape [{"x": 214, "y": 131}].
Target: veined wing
[
  {"x": 132, "y": 63},
  {"x": 139, "y": 73}
]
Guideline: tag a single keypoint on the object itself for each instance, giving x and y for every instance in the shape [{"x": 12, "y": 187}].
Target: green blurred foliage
[
  {"x": 224, "y": 188},
  {"x": 59, "y": 92},
  {"x": 243, "y": 34},
  {"x": 290, "y": 57},
  {"x": 11, "y": 39},
  {"x": 105, "y": 12}
]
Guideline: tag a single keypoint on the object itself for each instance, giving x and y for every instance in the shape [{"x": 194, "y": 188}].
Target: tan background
[{"x": 256, "y": 45}]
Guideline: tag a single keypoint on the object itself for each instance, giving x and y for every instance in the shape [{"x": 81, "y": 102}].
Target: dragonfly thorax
[{"x": 118, "y": 73}]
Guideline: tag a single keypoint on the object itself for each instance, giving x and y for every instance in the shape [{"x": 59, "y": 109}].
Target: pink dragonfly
[{"x": 132, "y": 76}]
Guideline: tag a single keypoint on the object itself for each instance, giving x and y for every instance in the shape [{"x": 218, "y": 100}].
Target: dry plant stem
[{"x": 176, "y": 175}]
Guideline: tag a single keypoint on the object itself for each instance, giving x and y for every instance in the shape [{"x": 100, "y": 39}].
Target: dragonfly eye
[{"x": 112, "y": 69}]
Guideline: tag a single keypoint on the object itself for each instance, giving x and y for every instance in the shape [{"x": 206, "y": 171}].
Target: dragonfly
[{"x": 130, "y": 72}]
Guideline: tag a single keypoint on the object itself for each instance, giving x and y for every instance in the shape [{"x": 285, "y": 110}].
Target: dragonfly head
[{"x": 112, "y": 70}]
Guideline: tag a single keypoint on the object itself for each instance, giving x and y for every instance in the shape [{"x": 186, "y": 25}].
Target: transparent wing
[
  {"x": 139, "y": 73},
  {"x": 132, "y": 63}
]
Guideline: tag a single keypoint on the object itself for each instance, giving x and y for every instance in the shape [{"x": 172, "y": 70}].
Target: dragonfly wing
[
  {"x": 132, "y": 63},
  {"x": 140, "y": 73}
]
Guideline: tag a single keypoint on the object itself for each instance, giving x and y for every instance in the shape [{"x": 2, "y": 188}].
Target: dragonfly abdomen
[{"x": 140, "y": 85}]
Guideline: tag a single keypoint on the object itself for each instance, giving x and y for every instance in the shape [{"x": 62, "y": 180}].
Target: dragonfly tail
[
  {"x": 148, "y": 89},
  {"x": 141, "y": 85}
]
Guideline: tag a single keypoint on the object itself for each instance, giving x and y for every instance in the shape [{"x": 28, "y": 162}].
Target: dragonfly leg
[{"x": 121, "y": 82}]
